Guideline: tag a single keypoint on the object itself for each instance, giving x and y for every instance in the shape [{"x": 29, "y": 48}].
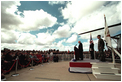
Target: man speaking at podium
[{"x": 80, "y": 47}]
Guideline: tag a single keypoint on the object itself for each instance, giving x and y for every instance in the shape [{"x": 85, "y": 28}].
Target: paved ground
[{"x": 51, "y": 72}]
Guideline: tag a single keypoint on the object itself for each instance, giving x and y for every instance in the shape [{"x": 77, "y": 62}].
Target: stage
[{"x": 81, "y": 66}]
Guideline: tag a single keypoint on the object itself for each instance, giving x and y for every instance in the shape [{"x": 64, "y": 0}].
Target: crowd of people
[
  {"x": 24, "y": 57},
  {"x": 9, "y": 58}
]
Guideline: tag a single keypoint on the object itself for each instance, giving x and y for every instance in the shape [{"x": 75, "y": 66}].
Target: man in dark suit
[
  {"x": 101, "y": 48},
  {"x": 80, "y": 47},
  {"x": 91, "y": 49}
]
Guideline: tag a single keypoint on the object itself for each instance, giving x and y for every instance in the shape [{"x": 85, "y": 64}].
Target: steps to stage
[{"x": 105, "y": 71}]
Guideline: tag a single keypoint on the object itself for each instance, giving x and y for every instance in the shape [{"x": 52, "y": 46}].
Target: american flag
[{"x": 91, "y": 38}]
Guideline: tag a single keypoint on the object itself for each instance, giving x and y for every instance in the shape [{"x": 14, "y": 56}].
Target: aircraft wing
[{"x": 100, "y": 28}]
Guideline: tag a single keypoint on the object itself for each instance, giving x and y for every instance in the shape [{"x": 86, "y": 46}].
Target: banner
[{"x": 107, "y": 34}]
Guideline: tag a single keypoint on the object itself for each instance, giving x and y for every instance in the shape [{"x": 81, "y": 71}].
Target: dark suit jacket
[
  {"x": 80, "y": 47},
  {"x": 92, "y": 47}
]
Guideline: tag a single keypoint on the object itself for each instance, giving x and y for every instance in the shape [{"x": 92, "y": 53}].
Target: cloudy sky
[{"x": 44, "y": 25}]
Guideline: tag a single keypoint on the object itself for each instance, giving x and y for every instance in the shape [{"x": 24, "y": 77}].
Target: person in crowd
[
  {"x": 45, "y": 58},
  {"x": 30, "y": 54},
  {"x": 27, "y": 58},
  {"x": 2, "y": 67},
  {"x": 80, "y": 47},
  {"x": 22, "y": 58},
  {"x": 35, "y": 59},
  {"x": 13, "y": 59},
  {"x": 51, "y": 56},
  {"x": 39, "y": 56},
  {"x": 3, "y": 78},
  {"x": 55, "y": 58},
  {"x": 101, "y": 48},
  {"x": 17, "y": 55},
  {"x": 91, "y": 49},
  {"x": 8, "y": 61}
]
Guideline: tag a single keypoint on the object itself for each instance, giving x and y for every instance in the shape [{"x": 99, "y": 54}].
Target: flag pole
[{"x": 113, "y": 55}]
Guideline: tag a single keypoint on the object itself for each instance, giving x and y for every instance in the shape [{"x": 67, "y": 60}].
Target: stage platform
[{"x": 81, "y": 66}]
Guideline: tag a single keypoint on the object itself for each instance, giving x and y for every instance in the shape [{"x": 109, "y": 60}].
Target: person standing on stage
[
  {"x": 80, "y": 48},
  {"x": 101, "y": 48},
  {"x": 91, "y": 49}
]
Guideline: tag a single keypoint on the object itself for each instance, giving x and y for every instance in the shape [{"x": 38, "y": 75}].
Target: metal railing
[{"x": 68, "y": 57}]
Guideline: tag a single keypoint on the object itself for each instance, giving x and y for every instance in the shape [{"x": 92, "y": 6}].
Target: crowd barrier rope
[
  {"x": 25, "y": 65},
  {"x": 40, "y": 60},
  {"x": 10, "y": 68}
]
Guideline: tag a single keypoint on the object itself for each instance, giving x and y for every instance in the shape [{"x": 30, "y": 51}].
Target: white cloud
[
  {"x": 18, "y": 46},
  {"x": 62, "y": 23},
  {"x": 56, "y": 2},
  {"x": 61, "y": 32},
  {"x": 95, "y": 20},
  {"x": 9, "y": 36},
  {"x": 38, "y": 19},
  {"x": 62, "y": 47},
  {"x": 75, "y": 10},
  {"x": 32, "y": 20},
  {"x": 44, "y": 38},
  {"x": 8, "y": 18},
  {"x": 26, "y": 38},
  {"x": 13, "y": 46},
  {"x": 70, "y": 48},
  {"x": 72, "y": 39},
  {"x": 59, "y": 44}
]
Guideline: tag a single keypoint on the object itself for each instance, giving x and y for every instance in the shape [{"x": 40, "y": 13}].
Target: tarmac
[{"x": 52, "y": 71}]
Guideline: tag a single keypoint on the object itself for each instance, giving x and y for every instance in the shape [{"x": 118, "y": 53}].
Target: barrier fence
[
  {"x": 65, "y": 57},
  {"x": 68, "y": 57}
]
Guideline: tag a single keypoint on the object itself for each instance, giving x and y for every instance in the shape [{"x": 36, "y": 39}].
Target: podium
[
  {"x": 76, "y": 53},
  {"x": 80, "y": 66},
  {"x": 83, "y": 66}
]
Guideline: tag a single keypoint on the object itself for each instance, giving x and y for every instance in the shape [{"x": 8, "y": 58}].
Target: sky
[{"x": 44, "y": 25}]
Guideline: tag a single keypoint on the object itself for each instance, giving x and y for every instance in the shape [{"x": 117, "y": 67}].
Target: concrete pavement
[{"x": 51, "y": 72}]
